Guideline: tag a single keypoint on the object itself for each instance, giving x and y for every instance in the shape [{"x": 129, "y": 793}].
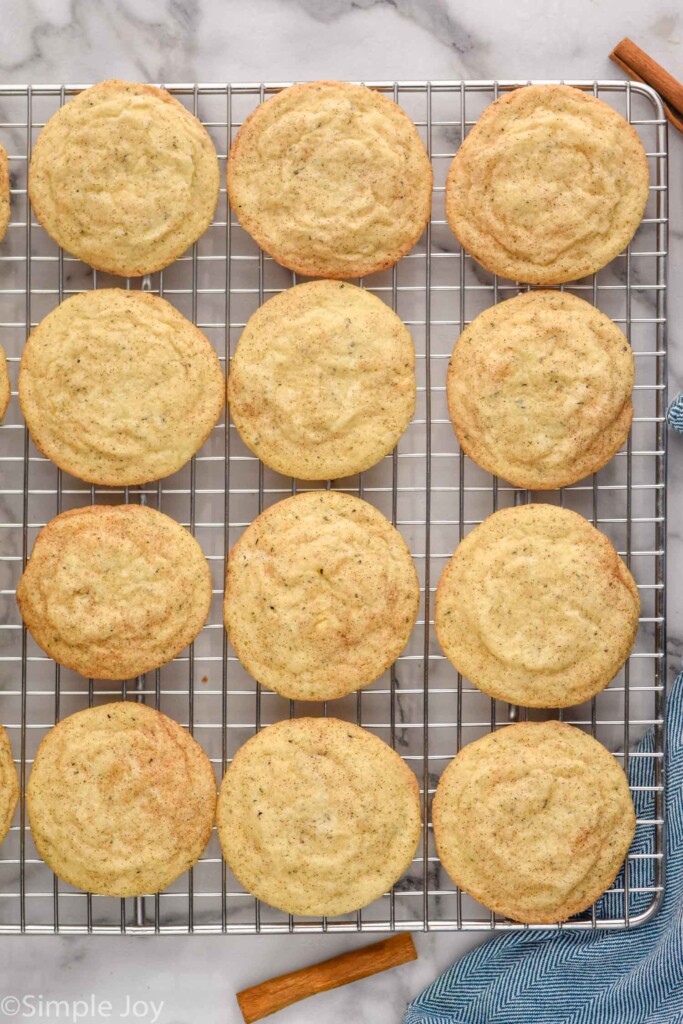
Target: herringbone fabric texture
[
  {"x": 536, "y": 977},
  {"x": 675, "y": 414}
]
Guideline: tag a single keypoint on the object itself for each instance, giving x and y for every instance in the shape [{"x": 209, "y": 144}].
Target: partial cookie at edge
[{"x": 5, "y": 198}]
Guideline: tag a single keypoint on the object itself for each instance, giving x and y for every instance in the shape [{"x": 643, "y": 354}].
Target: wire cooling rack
[{"x": 428, "y": 488}]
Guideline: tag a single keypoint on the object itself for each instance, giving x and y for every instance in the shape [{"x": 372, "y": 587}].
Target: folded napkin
[{"x": 577, "y": 977}]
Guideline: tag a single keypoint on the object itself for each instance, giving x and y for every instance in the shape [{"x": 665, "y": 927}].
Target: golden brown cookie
[
  {"x": 536, "y": 607},
  {"x": 331, "y": 179},
  {"x": 117, "y": 387},
  {"x": 539, "y": 389},
  {"x": 549, "y": 186},
  {"x": 114, "y": 591},
  {"x": 124, "y": 178},
  {"x": 322, "y": 384},
  {"x": 9, "y": 785},
  {"x": 534, "y": 821},
  {"x": 5, "y": 389},
  {"x": 121, "y": 800},
  {"x": 318, "y": 816},
  {"x": 321, "y": 595},
  {"x": 4, "y": 192}
]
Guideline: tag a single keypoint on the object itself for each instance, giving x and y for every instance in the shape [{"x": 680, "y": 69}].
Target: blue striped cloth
[
  {"x": 577, "y": 977},
  {"x": 675, "y": 414}
]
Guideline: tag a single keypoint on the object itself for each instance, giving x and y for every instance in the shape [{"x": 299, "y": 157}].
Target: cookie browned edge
[
  {"x": 567, "y": 909},
  {"x": 556, "y": 482},
  {"x": 114, "y": 84},
  {"x": 313, "y": 269}
]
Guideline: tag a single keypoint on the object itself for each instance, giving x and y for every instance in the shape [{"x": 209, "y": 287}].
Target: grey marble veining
[{"x": 279, "y": 40}]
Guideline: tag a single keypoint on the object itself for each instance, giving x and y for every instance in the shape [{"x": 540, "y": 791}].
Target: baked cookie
[
  {"x": 318, "y": 817},
  {"x": 331, "y": 179},
  {"x": 121, "y": 800},
  {"x": 4, "y": 192},
  {"x": 536, "y": 607},
  {"x": 124, "y": 178},
  {"x": 534, "y": 821},
  {"x": 5, "y": 389},
  {"x": 321, "y": 595},
  {"x": 549, "y": 186},
  {"x": 322, "y": 384},
  {"x": 9, "y": 785},
  {"x": 114, "y": 591},
  {"x": 117, "y": 387},
  {"x": 539, "y": 389}
]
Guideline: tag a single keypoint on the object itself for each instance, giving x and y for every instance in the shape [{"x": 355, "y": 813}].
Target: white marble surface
[{"x": 251, "y": 40}]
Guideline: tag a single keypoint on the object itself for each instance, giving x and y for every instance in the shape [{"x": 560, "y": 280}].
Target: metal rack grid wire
[{"x": 428, "y": 488}]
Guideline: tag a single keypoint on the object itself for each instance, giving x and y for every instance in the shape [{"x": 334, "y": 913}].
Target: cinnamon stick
[
  {"x": 640, "y": 66},
  {"x": 271, "y": 996}
]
